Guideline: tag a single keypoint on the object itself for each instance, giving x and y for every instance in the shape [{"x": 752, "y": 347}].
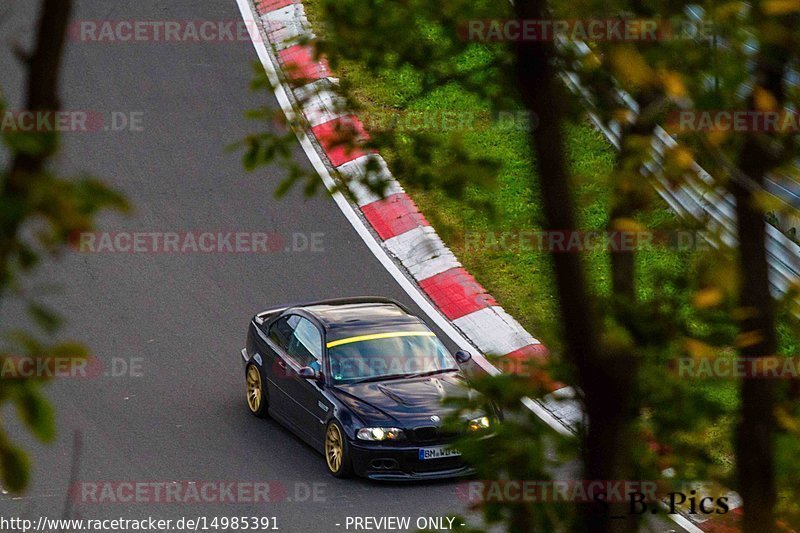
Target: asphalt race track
[{"x": 182, "y": 317}]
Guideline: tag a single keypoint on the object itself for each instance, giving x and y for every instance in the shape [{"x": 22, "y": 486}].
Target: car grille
[
  {"x": 426, "y": 433},
  {"x": 423, "y": 434}
]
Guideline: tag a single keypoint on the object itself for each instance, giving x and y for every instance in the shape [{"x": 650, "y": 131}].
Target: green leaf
[
  {"x": 69, "y": 349},
  {"x": 14, "y": 468},
  {"x": 250, "y": 159},
  {"x": 295, "y": 174},
  {"x": 26, "y": 342},
  {"x": 45, "y": 318},
  {"x": 37, "y": 413}
]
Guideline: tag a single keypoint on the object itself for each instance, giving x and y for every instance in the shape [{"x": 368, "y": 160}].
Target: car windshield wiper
[
  {"x": 382, "y": 378},
  {"x": 433, "y": 372}
]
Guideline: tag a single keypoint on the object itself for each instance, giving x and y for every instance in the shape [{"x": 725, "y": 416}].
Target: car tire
[
  {"x": 337, "y": 451},
  {"x": 256, "y": 394}
]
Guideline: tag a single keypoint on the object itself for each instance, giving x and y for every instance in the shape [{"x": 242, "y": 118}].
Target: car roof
[{"x": 350, "y": 319}]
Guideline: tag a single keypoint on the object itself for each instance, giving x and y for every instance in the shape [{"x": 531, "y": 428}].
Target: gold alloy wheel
[
  {"x": 253, "y": 388},
  {"x": 334, "y": 448}
]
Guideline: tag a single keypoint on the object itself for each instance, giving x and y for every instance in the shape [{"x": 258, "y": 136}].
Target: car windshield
[{"x": 388, "y": 355}]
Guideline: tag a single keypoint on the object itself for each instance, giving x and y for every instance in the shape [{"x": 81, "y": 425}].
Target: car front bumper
[{"x": 402, "y": 463}]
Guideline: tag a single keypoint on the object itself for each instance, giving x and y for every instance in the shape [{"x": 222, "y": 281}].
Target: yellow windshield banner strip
[{"x": 381, "y": 336}]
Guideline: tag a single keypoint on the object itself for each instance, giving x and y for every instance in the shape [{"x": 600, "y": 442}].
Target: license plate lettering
[{"x": 439, "y": 452}]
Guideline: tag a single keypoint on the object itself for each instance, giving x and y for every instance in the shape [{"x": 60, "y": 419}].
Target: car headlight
[
  {"x": 376, "y": 434},
  {"x": 479, "y": 423}
]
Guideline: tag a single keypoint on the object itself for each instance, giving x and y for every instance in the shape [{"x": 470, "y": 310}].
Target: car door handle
[{"x": 281, "y": 364}]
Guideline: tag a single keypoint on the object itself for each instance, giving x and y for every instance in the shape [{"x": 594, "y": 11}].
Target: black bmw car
[{"x": 361, "y": 380}]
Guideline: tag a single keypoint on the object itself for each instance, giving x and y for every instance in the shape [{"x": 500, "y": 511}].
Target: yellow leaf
[
  {"x": 673, "y": 84},
  {"x": 622, "y": 115},
  {"x": 717, "y": 136},
  {"x": 699, "y": 350},
  {"x": 591, "y": 61},
  {"x": 729, "y": 10},
  {"x": 707, "y": 298},
  {"x": 749, "y": 338},
  {"x": 682, "y": 157},
  {"x": 764, "y": 100},
  {"x": 781, "y": 7},
  {"x": 786, "y": 420},
  {"x": 628, "y": 225},
  {"x": 632, "y": 68}
]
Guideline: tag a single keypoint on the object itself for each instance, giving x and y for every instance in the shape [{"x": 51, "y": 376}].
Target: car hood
[{"x": 403, "y": 400}]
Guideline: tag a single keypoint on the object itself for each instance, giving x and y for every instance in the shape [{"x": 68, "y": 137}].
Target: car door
[
  {"x": 272, "y": 341},
  {"x": 306, "y": 403}
]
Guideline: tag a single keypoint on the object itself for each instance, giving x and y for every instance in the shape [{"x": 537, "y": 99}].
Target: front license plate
[{"x": 439, "y": 452}]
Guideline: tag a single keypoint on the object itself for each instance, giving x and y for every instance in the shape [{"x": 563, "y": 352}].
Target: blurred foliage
[
  {"x": 39, "y": 214},
  {"x": 683, "y": 425},
  {"x": 706, "y": 63}
]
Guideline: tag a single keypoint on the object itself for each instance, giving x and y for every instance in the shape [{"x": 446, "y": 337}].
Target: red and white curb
[
  {"x": 392, "y": 227},
  {"x": 394, "y": 222}
]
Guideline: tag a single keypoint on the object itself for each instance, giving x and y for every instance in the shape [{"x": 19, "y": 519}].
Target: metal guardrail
[
  {"x": 700, "y": 198},
  {"x": 789, "y": 191},
  {"x": 786, "y": 189}
]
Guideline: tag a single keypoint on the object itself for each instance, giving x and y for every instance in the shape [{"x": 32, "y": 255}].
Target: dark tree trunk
[
  {"x": 754, "y": 445},
  {"x": 44, "y": 65},
  {"x": 755, "y": 460},
  {"x": 603, "y": 380}
]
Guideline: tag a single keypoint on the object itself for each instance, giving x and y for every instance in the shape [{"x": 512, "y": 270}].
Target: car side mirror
[
  {"x": 307, "y": 372},
  {"x": 462, "y": 356}
]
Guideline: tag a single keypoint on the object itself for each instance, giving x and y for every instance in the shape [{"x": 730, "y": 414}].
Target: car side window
[
  {"x": 281, "y": 331},
  {"x": 305, "y": 346}
]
